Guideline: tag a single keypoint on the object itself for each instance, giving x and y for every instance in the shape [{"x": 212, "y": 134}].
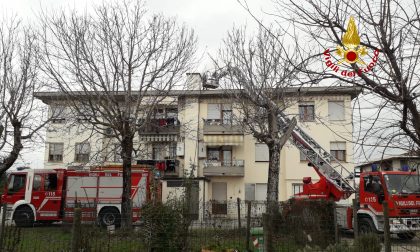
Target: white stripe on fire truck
[{"x": 45, "y": 201}]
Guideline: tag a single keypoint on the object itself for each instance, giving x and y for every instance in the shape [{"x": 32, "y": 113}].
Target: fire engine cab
[{"x": 50, "y": 195}]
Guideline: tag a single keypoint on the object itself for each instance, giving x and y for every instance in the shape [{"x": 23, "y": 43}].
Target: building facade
[{"x": 194, "y": 132}]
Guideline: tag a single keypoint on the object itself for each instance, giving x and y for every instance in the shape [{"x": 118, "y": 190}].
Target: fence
[{"x": 298, "y": 227}]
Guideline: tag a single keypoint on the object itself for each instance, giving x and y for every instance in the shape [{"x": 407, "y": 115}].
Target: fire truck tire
[
  {"x": 406, "y": 236},
  {"x": 109, "y": 216},
  {"x": 366, "y": 226},
  {"x": 23, "y": 217}
]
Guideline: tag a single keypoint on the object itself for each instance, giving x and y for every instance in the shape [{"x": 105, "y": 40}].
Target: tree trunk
[
  {"x": 126, "y": 206},
  {"x": 274, "y": 148},
  {"x": 273, "y": 178}
]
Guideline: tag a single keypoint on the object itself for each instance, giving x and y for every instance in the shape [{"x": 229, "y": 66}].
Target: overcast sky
[{"x": 210, "y": 19}]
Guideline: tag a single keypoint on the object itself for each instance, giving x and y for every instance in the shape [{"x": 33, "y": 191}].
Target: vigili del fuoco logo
[{"x": 351, "y": 52}]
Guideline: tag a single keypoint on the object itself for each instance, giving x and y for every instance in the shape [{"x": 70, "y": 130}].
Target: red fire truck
[
  {"x": 50, "y": 195},
  {"x": 401, "y": 189}
]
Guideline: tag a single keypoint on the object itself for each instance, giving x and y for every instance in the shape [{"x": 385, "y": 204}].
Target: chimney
[{"x": 194, "y": 81}]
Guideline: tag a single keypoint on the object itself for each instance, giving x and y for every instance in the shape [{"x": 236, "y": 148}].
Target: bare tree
[
  {"x": 258, "y": 76},
  {"x": 20, "y": 116},
  {"x": 386, "y": 45},
  {"x": 114, "y": 66}
]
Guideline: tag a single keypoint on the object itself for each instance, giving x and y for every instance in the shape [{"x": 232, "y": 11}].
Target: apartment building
[{"x": 194, "y": 132}]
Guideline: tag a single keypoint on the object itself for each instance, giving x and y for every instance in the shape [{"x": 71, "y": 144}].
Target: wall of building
[{"x": 191, "y": 112}]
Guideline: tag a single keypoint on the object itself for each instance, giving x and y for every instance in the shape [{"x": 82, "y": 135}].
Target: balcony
[
  {"x": 233, "y": 168},
  {"x": 165, "y": 168},
  {"x": 219, "y": 126},
  {"x": 161, "y": 126}
]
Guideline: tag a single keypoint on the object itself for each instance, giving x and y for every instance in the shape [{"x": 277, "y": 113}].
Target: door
[
  {"x": 46, "y": 196},
  {"x": 219, "y": 193},
  {"x": 15, "y": 188},
  {"x": 194, "y": 200},
  {"x": 369, "y": 195},
  {"x": 227, "y": 158}
]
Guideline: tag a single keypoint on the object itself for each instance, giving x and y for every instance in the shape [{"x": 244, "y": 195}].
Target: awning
[
  {"x": 223, "y": 139},
  {"x": 159, "y": 138}
]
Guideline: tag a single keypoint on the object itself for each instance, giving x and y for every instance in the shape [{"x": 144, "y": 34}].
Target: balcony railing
[
  {"x": 223, "y": 168},
  {"x": 218, "y": 163},
  {"x": 163, "y": 125},
  {"x": 167, "y": 167},
  {"x": 223, "y": 126}
]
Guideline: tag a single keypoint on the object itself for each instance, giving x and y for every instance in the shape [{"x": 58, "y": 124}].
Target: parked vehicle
[
  {"x": 401, "y": 189},
  {"x": 50, "y": 195}
]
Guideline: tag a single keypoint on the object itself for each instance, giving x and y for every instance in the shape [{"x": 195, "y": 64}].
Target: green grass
[
  {"x": 94, "y": 239},
  {"x": 59, "y": 239}
]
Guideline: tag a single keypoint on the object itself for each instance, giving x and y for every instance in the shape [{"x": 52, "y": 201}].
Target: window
[
  {"x": 55, "y": 152},
  {"x": 297, "y": 188},
  {"x": 261, "y": 192},
  {"x": 37, "y": 182},
  {"x": 261, "y": 152},
  {"x": 213, "y": 111},
  {"x": 306, "y": 112},
  {"x": 16, "y": 183},
  {"x": 256, "y": 191},
  {"x": 221, "y": 113},
  {"x": 164, "y": 151},
  {"x": 336, "y": 110},
  {"x": 172, "y": 150},
  {"x": 338, "y": 150},
  {"x": 213, "y": 154},
  {"x": 158, "y": 152},
  {"x": 82, "y": 152},
  {"x": 50, "y": 182},
  {"x": 57, "y": 114},
  {"x": 227, "y": 114},
  {"x": 249, "y": 191}
]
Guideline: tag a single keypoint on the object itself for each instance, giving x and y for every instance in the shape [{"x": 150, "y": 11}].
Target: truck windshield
[
  {"x": 16, "y": 182},
  {"x": 399, "y": 183}
]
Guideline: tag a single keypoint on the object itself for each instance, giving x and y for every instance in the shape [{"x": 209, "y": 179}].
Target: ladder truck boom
[{"x": 332, "y": 173}]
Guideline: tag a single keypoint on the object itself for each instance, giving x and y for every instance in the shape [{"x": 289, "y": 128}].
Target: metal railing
[{"x": 224, "y": 163}]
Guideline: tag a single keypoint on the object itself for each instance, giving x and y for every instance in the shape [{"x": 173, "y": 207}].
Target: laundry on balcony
[{"x": 168, "y": 165}]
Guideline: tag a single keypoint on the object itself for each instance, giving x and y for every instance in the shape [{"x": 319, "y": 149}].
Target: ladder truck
[
  {"x": 401, "y": 189},
  {"x": 51, "y": 195}
]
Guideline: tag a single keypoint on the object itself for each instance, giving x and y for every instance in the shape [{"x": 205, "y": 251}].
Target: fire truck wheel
[
  {"x": 407, "y": 235},
  {"x": 109, "y": 216},
  {"x": 366, "y": 226},
  {"x": 24, "y": 217}
]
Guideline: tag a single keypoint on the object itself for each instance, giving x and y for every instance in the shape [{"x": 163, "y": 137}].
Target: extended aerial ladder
[
  {"x": 333, "y": 183},
  {"x": 333, "y": 175}
]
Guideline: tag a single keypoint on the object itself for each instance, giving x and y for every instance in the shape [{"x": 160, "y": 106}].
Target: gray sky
[{"x": 210, "y": 19}]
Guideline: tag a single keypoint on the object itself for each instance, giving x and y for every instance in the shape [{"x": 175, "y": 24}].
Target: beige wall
[{"x": 192, "y": 111}]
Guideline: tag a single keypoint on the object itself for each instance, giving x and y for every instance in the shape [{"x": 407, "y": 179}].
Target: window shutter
[
  {"x": 261, "y": 192},
  {"x": 213, "y": 111},
  {"x": 336, "y": 110},
  {"x": 338, "y": 146},
  {"x": 249, "y": 191},
  {"x": 261, "y": 152}
]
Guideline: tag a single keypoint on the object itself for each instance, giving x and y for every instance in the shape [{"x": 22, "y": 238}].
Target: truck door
[
  {"x": 15, "y": 188},
  {"x": 46, "y": 196},
  {"x": 370, "y": 193}
]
